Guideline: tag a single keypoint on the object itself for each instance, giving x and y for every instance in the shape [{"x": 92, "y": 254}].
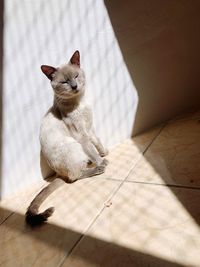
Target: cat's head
[{"x": 67, "y": 80}]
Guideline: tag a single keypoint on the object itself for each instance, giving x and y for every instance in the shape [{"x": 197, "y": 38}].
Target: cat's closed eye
[{"x": 66, "y": 81}]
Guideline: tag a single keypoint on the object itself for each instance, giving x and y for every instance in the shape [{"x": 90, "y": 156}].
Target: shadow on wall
[
  {"x": 1, "y": 87},
  {"x": 160, "y": 44},
  {"x": 96, "y": 252}
]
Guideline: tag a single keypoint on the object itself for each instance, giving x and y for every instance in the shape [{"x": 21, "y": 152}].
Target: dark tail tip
[{"x": 34, "y": 219}]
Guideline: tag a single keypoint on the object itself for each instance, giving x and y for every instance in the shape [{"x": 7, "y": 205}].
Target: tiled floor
[{"x": 144, "y": 211}]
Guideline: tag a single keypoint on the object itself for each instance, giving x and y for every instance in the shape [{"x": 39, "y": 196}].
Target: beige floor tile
[
  {"x": 125, "y": 155},
  {"x": 146, "y": 225},
  {"x": 77, "y": 205},
  {"x": 22, "y": 247},
  {"x": 173, "y": 158},
  {"x": 4, "y": 213}
]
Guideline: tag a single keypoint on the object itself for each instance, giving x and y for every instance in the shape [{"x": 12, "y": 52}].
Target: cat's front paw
[
  {"x": 100, "y": 169},
  {"x": 104, "y": 162},
  {"x": 104, "y": 152}
]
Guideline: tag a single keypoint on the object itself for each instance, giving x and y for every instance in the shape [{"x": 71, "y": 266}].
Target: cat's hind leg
[
  {"x": 83, "y": 170},
  {"x": 86, "y": 172},
  {"x": 92, "y": 171}
]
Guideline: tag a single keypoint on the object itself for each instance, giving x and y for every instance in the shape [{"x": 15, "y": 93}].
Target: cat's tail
[{"x": 33, "y": 218}]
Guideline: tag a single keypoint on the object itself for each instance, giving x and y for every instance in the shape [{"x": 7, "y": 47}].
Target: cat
[{"x": 67, "y": 136}]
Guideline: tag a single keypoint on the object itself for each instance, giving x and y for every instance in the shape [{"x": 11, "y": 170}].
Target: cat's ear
[
  {"x": 75, "y": 59},
  {"x": 48, "y": 71}
]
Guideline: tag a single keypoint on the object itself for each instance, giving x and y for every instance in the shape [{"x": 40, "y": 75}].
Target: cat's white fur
[{"x": 67, "y": 137}]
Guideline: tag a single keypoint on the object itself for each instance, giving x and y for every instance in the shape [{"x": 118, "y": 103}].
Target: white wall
[{"x": 48, "y": 32}]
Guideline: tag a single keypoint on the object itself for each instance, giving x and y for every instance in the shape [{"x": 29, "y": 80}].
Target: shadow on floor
[
  {"x": 15, "y": 235},
  {"x": 177, "y": 164}
]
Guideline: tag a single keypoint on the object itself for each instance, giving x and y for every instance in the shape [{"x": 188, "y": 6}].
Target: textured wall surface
[{"x": 48, "y": 32}]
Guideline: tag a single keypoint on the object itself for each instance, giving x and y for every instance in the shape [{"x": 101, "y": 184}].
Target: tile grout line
[
  {"x": 142, "y": 154},
  {"x": 153, "y": 183},
  {"x": 166, "y": 185},
  {"x": 133, "y": 166},
  {"x": 70, "y": 251},
  {"x": 96, "y": 217},
  {"x": 81, "y": 237},
  {"x": 110, "y": 197},
  {"x": 125, "y": 179},
  {"x": 184, "y": 119},
  {"x": 7, "y": 218},
  {"x": 155, "y": 137}
]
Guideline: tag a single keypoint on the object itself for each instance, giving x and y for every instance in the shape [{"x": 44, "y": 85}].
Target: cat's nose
[{"x": 74, "y": 87}]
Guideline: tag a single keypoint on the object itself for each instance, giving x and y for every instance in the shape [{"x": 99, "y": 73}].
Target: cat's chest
[{"x": 81, "y": 117}]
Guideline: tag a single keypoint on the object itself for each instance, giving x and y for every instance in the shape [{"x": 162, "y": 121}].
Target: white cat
[{"x": 68, "y": 140}]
